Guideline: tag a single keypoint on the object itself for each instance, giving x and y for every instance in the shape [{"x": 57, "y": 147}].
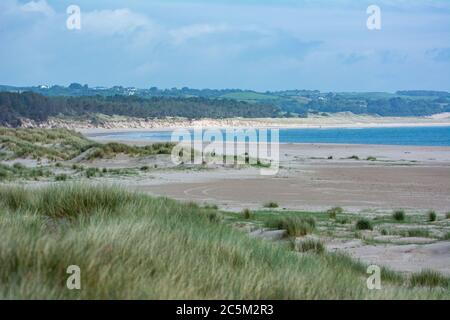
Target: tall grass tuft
[
  {"x": 14, "y": 198},
  {"x": 310, "y": 245},
  {"x": 334, "y": 212},
  {"x": 431, "y": 215},
  {"x": 271, "y": 205},
  {"x": 429, "y": 278},
  {"x": 364, "y": 224},
  {"x": 295, "y": 226},
  {"x": 399, "y": 215},
  {"x": 247, "y": 214}
]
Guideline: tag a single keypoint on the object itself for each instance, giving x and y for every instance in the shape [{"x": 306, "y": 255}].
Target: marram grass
[{"x": 132, "y": 246}]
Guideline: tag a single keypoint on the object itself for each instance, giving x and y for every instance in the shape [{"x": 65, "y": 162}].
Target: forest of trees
[
  {"x": 15, "y": 106},
  {"x": 393, "y": 107}
]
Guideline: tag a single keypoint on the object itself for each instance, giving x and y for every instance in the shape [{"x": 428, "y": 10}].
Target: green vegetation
[
  {"x": 36, "y": 107},
  {"x": 310, "y": 245},
  {"x": 260, "y": 164},
  {"x": 447, "y": 215},
  {"x": 295, "y": 226},
  {"x": 92, "y": 172},
  {"x": 249, "y": 96},
  {"x": 370, "y": 158},
  {"x": 211, "y": 206},
  {"x": 62, "y": 144},
  {"x": 54, "y": 144},
  {"x": 78, "y": 100},
  {"x": 134, "y": 246},
  {"x": 9, "y": 173},
  {"x": 247, "y": 214},
  {"x": 429, "y": 278},
  {"x": 417, "y": 232},
  {"x": 399, "y": 215},
  {"x": 61, "y": 177},
  {"x": 271, "y": 205},
  {"x": 113, "y": 148},
  {"x": 431, "y": 216},
  {"x": 364, "y": 224},
  {"x": 333, "y": 212},
  {"x": 343, "y": 220}
]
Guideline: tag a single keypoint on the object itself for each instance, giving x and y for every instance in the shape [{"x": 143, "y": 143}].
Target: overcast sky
[{"x": 247, "y": 44}]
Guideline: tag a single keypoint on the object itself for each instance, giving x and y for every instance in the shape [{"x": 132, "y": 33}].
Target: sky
[{"x": 249, "y": 44}]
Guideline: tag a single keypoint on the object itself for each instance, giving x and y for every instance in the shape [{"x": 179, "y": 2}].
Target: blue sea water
[{"x": 413, "y": 136}]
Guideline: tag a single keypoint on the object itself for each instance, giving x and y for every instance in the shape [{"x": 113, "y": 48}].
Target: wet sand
[{"x": 413, "y": 178}]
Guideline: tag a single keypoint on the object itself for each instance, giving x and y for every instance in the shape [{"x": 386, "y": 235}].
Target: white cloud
[
  {"x": 185, "y": 33},
  {"x": 115, "y": 22},
  {"x": 40, "y": 6}
]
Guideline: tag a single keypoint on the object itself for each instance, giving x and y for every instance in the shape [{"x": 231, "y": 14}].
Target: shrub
[
  {"x": 399, "y": 215},
  {"x": 295, "y": 226},
  {"x": 271, "y": 205},
  {"x": 343, "y": 220},
  {"x": 354, "y": 157},
  {"x": 211, "y": 206},
  {"x": 61, "y": 177},
  {"x": 371, "y": 158},
  {"x": 447, "y": 215},
  {"x": 310, "y": 245},
  {"x": 77, "y": 167},
  {"x": 364, "y": 224},
  {"x": 4, "y": 173},
  {"x": 415, "y": 233},
  {"x": 18, "y": 166},
  {"x": 247, "y": 214},
  {"x": 429, "y": 278},
  {"x": 214, "y": 216},
  {"x": 333, "y": 212},
  {"x": 145, "y": 168},
  {"x": 431, "y": 216},
  {"x": 91, "y": 172},
  {"x": 96, "y": 154}
]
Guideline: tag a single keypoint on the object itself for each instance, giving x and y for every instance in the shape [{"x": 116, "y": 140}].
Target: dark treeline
[
  {"x": 15, "y": 106},
  {"x": 423, "y": 93},
  {"x": 393, "y": 107}
]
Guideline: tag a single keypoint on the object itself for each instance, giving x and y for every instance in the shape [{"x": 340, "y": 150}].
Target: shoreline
[
  {"x": 120, "y": 135},
  {"x": 333, "y": 121},
  {"x": 98, "y": 131}
]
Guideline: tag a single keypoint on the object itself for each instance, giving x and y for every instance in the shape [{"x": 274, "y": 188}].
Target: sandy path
[{"x": 403, "y": 258}]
